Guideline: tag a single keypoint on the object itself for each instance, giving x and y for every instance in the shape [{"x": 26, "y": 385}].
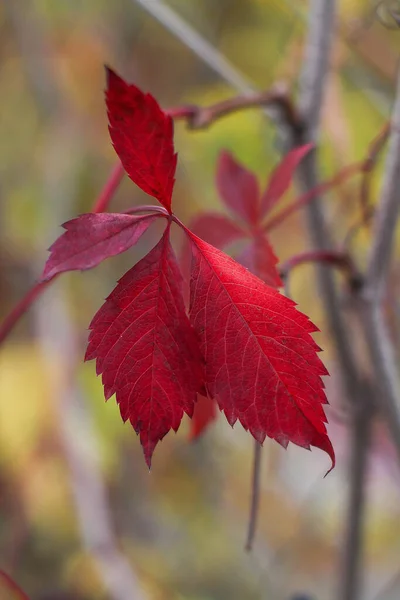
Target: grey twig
[
  {"x": 312, "y": 82},
  {"x": 386, "y": 216},
  {"x": 350, "y": 583},
  {"x": 255, "y": 495},
  {"x": 312, "y": 85},
  {"x": 382, "y": 354},
  {"x": 316, "y": 62},
  {"x": 197, "y": 44}
]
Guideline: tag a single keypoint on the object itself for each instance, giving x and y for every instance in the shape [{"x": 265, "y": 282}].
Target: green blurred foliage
[{"x": 181, "y": 528}]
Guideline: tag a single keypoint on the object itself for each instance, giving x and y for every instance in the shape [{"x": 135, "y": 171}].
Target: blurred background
[{"x": 80, "y": 516}]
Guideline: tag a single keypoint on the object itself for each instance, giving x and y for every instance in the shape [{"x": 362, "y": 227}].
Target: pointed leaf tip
[
  {"x": 238, "y": 188},
  {"x": 142, "y": 135}
]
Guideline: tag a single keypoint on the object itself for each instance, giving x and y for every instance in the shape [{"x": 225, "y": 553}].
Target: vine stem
[
  {"x": 109, "y": 189},
  {"x": 37, "y": 290},
  {"x": 14, "y": 588},
  {"x": 255, "y": 495},
  {"x": 336, "y": 258}
]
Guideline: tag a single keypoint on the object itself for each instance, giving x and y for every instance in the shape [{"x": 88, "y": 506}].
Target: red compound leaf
[
  {"x": 238, "y": 188},
  {"x": 281, "y": 179},
  {"x": 145, "y": 348},
  {"x": 91, "y": 238},
  {"x": 261, "y": 360},
  {"x": 205, "y": 412},
  {"x": 142, "y": 135}
]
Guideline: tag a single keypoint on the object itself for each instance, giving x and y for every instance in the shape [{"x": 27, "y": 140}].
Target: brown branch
[
  {"x": 277, "y": 95},
  {"x": 334, "y": 258}
]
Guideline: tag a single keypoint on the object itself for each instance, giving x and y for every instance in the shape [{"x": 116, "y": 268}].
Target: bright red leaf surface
[
  {"x": 91, "y": 238},
  {"x": 142, "y": 135},
  {"x": 145, "y": 348},
  {"x": 205, "y": 412},
  {"x": 281, "y": 179},
  {"x": 261, "y": 360},
  {"x": 238, "y": 188}
]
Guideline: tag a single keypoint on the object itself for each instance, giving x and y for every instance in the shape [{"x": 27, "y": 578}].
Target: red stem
[
  {"x": 151, "y": 208},
  {"x": 23, "y": 305},
  {"x": 109, "y": 189},
  {"x": 283, "y": 214},
  {"x": 13, "y": 586},
  {"x": 330, "y": 257}
]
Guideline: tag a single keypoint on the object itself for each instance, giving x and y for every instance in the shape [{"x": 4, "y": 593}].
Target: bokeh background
[{"x": 80, "y": 516}]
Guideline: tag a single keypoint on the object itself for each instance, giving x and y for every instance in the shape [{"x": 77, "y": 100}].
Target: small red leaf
[
  {"x": 261, "y": 361},
  {"x": 145, "y": 348},
  {"x": 142, "y": 135},
  {"x": 260, "y": 259},
  {"x": 205, "y": 412},
  {"x": 91, "y": 238},
  {"x": 216, "y": 229},
  {"x": 238, "y": 188},
  {"x": 281, "y": 178}
]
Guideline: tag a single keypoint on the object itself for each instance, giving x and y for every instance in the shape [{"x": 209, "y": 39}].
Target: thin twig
[
  {"x": 374, "y": 150},
  {"x": 315, "y": 69},
  {"x": 111, "y": 186},
  {"x": 333, "y": 258},
  {"x": 13, "y": 587},
  {"x": 255, "y": 495},
  {"x": 385, "y": 222},
  {"x": 382, "y": 354},
  {"x": 277, "y": 95},
  {"x": 350, "y": 585},
  {"x": 308, "y": 196},
  {"x": 197, "y": 44}
]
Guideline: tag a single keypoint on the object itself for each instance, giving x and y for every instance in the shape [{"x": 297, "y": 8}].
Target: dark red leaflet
[
  {"x": 238, "y": 188},
  {"x": 217, "y": 229},
  {"x": 261, "y": 360},
  {"x": 91, "y": 238},
  {"x": 260, "y": 259},
  {"x": 142, "y": 135},
  {"x": 145, "y": 348},
  {"x": 281, "y": 178},
  {"x": 205, "y": 412}
]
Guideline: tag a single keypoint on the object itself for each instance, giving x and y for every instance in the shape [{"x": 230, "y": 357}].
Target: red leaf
[
  {"x": 145, "y": 348},
  {"x": 216, "y": 229},
  {"x": 281, "y": 178},
  {"x": 142, "y": 135},
  {"x": 91, "y": 238},
  {"x": 238, "y": 188},
  {"x": 261, "y": 361},
  {"x": 260, "y": 259},
  {"x": 205, "y": 412}
]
